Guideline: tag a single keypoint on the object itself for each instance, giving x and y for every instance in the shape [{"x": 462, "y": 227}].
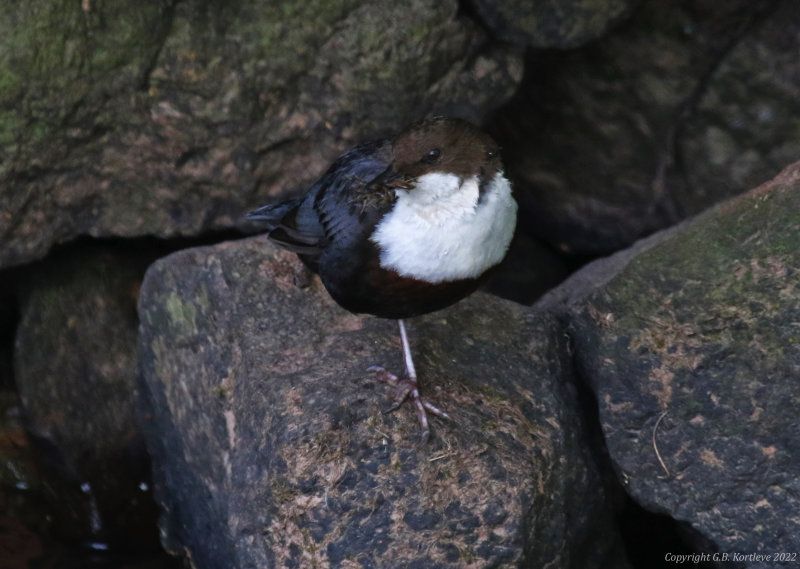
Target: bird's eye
[
  {"x": 490, "y": 154},
  {"x": 432, "y": 155}
]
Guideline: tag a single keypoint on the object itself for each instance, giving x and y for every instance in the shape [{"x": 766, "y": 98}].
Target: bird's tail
[{"x": 271, "y": 215}]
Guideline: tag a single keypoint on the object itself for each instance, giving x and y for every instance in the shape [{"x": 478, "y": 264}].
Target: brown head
[{"x": 447, "y": 145}]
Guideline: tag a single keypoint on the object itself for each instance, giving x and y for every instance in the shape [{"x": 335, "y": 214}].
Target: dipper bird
[{"x": 403, "y": 226}]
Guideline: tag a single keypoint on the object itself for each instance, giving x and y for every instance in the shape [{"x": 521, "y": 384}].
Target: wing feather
[{"x": 333, "y": 209}]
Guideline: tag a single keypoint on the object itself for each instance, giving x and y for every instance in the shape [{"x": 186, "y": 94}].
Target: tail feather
[
  {"x": 292, "y": 225},
  {"x": 272, "y": 214}
]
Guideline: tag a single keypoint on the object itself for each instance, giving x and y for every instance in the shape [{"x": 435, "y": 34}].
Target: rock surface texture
[
  {"x": 677, "y": 108},
  {"x": 551, "y": 23},
  {"x": 268, "y": 437},
  {"x": 693, "y": 351},
  {"x": 131, "y": 130},
  {"x": 173, "y": 119}
]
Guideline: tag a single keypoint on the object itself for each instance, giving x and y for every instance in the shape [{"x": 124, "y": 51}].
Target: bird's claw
[{"x": 408, "y": 389}]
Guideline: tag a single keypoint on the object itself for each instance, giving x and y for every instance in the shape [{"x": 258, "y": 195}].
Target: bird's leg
[{"x": 409, "y": 387}]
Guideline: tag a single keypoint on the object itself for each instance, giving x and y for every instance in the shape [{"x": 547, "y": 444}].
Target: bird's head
[{"x": 446, "y": 146}]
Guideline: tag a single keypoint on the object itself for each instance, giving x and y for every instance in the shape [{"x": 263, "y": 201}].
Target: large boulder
[
  {"x": 172, "y": 118},
  {"x": 681, "y": 106},
  {"x": 692, "y": 348},
  {"x": 270, "y": 448},
  {"x": 551, "y": 23}
]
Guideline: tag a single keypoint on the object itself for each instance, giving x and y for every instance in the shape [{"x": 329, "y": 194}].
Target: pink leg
[{"x": 409, "y": 387}]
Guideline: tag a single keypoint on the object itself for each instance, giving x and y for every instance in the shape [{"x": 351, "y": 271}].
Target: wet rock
[
  {"x": 270, "y": 447},
  {"x": 18, "y": 471},
  {"x": 75, "y": 370},
  {"x": 174, "y": 119},
  {"x": 31, "y": 503},
  {"x": 551, "y": 23},
  {"x": 681, "y": 106},
  {"x": 693, "y": 351}
]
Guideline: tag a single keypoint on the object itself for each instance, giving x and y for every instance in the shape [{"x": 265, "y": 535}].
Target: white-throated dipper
[{"x": 403, "y": 226}]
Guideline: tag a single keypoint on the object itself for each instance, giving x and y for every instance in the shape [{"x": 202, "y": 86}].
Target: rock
[
  {"x": 693, "y": 351},
  {"x": 31, "y": 503},
  {"x": 75, "y": 370},
  {"x": 17, "y": 463},
  {"x": 683, "y": 105},
  {"x": 550, "y": 23},
  {"x": 593, "y": 276},
  {"x": 270, "y": 448},
  {"x": 119, "y": 121},
  {"x": 745, "y": 126}
]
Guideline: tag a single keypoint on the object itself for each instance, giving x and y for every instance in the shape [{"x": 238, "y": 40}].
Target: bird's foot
[{"x": 408, "y": 388}]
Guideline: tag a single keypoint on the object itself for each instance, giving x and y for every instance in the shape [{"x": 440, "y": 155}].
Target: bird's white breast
[{"x": 443, "y": 230}]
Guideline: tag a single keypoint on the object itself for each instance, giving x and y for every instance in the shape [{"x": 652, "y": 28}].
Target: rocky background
[{"x": 641, "y": 408}]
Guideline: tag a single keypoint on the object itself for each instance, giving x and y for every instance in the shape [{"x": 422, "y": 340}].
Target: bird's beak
[{"x": 393, "y": 180}]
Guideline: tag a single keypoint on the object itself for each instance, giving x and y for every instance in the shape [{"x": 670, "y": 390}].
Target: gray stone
[
  {"x": 746, "y": 126},
  {"x": 551, "y": 23},
  {"x": 270, "y": 448},
  {"x": 683, "y": 105},
  {"x": 174, "y": 118},
  {"x": 693, "y": 350}
]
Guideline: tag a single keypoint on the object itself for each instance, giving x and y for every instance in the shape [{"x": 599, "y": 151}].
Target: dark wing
[
  {"x": 293, "y": 225},
  {"x": 356, "y": 192},
  {"x": 332, "y": 209}
]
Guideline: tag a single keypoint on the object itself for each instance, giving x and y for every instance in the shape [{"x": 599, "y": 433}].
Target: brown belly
[{"x": 386, "y": 294}]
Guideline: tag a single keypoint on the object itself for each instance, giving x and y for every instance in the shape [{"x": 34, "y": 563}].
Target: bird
[{"x": 403, "y": 226}]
